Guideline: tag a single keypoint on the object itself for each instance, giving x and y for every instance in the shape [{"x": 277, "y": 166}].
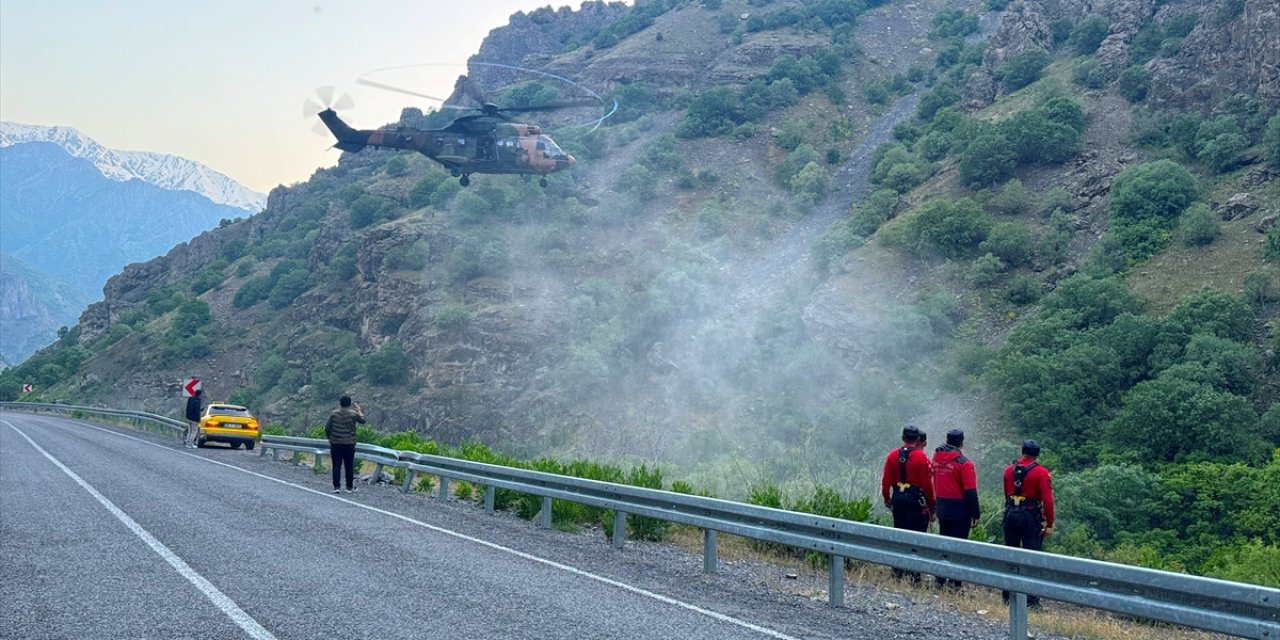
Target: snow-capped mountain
[{"x": 164, "y": 171}]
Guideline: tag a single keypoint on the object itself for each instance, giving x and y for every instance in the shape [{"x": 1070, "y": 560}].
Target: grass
[
  {"x": 1058, "y": 619},
  {"x": 1181, "y": 270}
]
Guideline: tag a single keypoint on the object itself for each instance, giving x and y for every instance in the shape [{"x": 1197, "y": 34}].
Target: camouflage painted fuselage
[{"x": 465, "y": 146}]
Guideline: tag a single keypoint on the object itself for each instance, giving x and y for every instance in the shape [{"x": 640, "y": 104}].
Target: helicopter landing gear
[
  {"x": 455, "y": 172},
  {"x": 542, "y": 182},
  {"x": 465, "y": 180}
]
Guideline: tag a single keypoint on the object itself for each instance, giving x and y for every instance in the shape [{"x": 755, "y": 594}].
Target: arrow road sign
[{"x": 190, "y": 387}]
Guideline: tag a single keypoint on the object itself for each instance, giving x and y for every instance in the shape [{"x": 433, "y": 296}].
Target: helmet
[
  {"x": 955, "y": 437},
  {"x": 910, "y": 432},
  {"x": 1030, "y": 448}
]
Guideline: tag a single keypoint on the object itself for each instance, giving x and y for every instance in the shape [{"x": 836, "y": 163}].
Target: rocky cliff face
[
  {"x": 1230, "y": 51},
  {"x": 1227, "y": 53}
]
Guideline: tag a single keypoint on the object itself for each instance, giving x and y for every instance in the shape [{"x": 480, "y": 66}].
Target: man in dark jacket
[
  {"x": 193, "y": 419},
  {"x": 1028, "y": 511},
  {"x": 907, "y": 488},
  {"x": 341, "y": 432},
  {"x": 956, "y": 486}
]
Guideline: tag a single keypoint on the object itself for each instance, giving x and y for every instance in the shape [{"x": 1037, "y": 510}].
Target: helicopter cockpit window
[{"x": 549, "y": 148}]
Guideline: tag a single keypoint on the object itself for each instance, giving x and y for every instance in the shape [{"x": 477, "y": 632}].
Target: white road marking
[
  {"x": 218, "y": 598},
  {"x": 497, "y": 547}
]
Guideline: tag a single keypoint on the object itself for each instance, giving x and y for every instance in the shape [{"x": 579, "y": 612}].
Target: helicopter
[{"x": 484, "y": 142}]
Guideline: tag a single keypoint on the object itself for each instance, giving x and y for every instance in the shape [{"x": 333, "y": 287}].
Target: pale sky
[{"x": 223, "y": 82}]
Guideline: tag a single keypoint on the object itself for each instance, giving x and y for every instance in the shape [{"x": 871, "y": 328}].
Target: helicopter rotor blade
[{"x": 387, "y": 87}]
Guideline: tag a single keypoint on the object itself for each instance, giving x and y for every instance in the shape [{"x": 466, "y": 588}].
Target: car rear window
[{"x": 228, "y": 410}]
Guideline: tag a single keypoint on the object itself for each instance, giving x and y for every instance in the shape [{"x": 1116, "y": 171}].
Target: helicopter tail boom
[{"x": 349, "y": 139}]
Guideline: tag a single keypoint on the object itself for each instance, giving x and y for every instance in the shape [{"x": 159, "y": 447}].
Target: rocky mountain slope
[
  {"x": 164, "y": 171},
  {"x": 685, "y": 298},
  {"x": 73, "y": 227}
]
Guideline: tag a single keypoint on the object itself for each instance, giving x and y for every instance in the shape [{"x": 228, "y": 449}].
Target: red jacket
[
  {"x": 1036, "y": 485},
  {"x": 955, "y": 483},
  {"x": 918, "y": 474}
]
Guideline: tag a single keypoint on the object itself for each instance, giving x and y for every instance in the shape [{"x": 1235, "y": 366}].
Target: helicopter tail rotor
[{"x": 326, "y": 99}]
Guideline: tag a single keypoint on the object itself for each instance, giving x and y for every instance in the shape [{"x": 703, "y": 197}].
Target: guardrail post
[
  {"x": 319, "y": 465},
  {"x": 275, "y": 454},
  {"x": 489, "y": 494},
  {"x": 377, "y": 473},
  {"x": 709, "y": 550},
  {"x": 1018, "y": 616},
  {"x": 262, "y": 451},
  {"x": 296, "y": 458},
  {"x": 544, "y": 519},
  {"x": 444, "y": 489},
  {"x": 619, "y": 529},
  {"x": 408, "y": 480},
  {"x": 835, "y": 581}
]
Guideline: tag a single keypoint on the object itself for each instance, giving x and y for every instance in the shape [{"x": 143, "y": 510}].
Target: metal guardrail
[
  {"x": 139, "y": 417},
  {"x": 1234, "y": 608},
  {"x": 1222, "y": 606}
]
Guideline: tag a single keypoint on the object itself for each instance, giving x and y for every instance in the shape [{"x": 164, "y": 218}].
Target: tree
[
  {"x": 1176, "y": 419},
  {"x": 1160, "y": 189}
]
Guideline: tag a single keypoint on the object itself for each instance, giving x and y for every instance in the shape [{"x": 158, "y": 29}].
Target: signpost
[
  {"x": 190, "y": 386},
  {"x": 26, "y": 388}
]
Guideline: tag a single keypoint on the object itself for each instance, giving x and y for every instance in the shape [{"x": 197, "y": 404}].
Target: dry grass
[{"x": 1058, "y": 619}]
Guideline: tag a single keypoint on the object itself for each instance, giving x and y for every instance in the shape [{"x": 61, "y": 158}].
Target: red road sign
[
  {"x": 191, "y": 386},
  {"x": 26, "y": 388}
]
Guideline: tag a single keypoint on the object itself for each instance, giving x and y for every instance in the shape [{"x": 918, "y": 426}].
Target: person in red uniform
[
  {"x": 907, "y": 488},
  {"x": 1028, "y": 510},
  {"x": 956, "y": 485}
]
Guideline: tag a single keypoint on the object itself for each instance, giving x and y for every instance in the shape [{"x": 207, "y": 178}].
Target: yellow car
[{"x": 228, "y": 423}]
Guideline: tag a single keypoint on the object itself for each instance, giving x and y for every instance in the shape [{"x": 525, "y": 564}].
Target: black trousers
[
  {"x": 343, "y": 455},
  {"x": 914, "y": 518},
  {"x": 1023, "y": 528},
  {"x": 952, "y": 528}
]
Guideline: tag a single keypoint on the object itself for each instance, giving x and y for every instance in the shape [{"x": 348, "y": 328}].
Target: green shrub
[
  {"x": 389, "y": 365},
  {"x": 451, "y": 315},
  {"x": 1262, "y": 286},
  {"x": 269, "y": 371},
  {"x": 1160, "y": 189},
  {"x": 951, "y": 229},
  {"x": 951, "y": 23},
  {"x": 986, "y": 270},
  {"x": 1134, "y": 83},
  {"x": 1022, "y": 290},
  {"x": 1009, "y": 241},
  {"x": 396, "y": 166},
  {"x": 1088, "y": 73},
  {"x": 1089, "y": 34},
  {"x": 1022, "y": 69},
  {"x": 1271, "y": 140},
  {"x": 1219, "y": 143},
  {"x": 988, "y": 160},
  {"x": 1013, "y": 199},
  {"x": 1200, "y": 226},
  {"x": 410, "y": 257}
]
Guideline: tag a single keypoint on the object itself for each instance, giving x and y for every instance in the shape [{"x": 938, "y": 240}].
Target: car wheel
[
  {"x": 235, "y": 445},
  {"x": 249, "y": 446}
]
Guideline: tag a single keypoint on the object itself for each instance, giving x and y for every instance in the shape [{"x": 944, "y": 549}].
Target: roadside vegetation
[{"x": 1143, "y": 359}]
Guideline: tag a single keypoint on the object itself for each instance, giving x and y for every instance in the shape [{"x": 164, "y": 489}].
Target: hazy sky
[{"x": 223, "y": 82}]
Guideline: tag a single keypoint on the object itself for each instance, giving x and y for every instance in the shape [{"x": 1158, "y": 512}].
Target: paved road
[{"x": 110, "y": 533}]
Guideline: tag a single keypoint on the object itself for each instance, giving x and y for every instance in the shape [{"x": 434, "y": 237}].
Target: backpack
[{"x": 905, "y": 494}]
